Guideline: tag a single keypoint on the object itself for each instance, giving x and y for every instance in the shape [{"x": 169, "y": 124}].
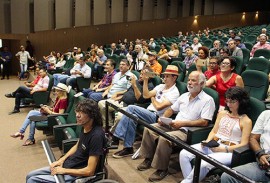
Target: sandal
[{"x": 29, "y": 142}]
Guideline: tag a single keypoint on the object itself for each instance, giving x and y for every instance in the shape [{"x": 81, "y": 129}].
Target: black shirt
[{"x": 90, "y": 144}]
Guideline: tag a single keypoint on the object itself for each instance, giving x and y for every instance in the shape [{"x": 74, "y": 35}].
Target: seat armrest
[
  {"x": 197, "y": 134},
  {"x": 242, "y": 155}
]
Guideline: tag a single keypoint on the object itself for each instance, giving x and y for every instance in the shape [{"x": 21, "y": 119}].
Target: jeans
[
  {"x": 185, "y": 157},
  {"x": 21, "y": 92},
  {"x": 96, "y": 96},
  {"x": 71, "y": 82},
  {"x": 126, "y": 128},
  {"x": 58, "y": 77},
  {"x": 23, "y": 69},
  {"x": 32, "y": 124},
  {"x": 250, "y": 170},
  {"x": 44, "y": 175}
]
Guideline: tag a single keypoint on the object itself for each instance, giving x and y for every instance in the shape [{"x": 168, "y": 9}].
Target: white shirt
[
  {"x": 201, "y": 107},
  {"x": 262, "y": 127},
  {"x": 24, "y": 56},
  {"x": 171, "y": 94}
]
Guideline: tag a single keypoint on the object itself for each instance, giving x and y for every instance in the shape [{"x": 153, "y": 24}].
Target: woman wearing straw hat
[{"x": 59, "y": 107}]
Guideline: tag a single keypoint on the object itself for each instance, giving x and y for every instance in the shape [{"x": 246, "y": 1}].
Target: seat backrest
[
  {"x": 262, "y": 52},
  {"x": 70, "y": 100},
  {"x": 163, "y": 63},
  {"x": 181, "y": 86},
  {"x": 246, "y": 55},
  {"x": 215, "y": 96},
  {"x": 255, "y": 108},
  {"x": 72, "y": 115},
  {"x": 239, "y": 64},
  {"x": 256, "y": 83},
  {"x": 181, "y": 69},
  {"x": 259, "y": 64}
]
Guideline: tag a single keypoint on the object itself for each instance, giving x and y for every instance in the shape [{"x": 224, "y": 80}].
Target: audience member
[
  {"x": 190, "y": 57},
  {"x": 196, "y": 44},
  {"x": 231, "y": 130},
  {"x": 234, "y": 50},
  {"x": 259, "y": 143},
  {"x": 83, "y": 158},
  {"x": 162, "y": 96},
  {"x": 156, "y": 149},
  {"x": 104, "y": 84},
  {"x": 213, "y": 67},
  {"x": 120, "y": 84},
  {"x": 226, "y": 79},
  {"x": 59, "y": 107},
  {"x": 153, "y": 63},
  {"x": 25, "y": 92},
  {"x": 238, "y": 42},
  {"x": 262, "y": 44},
  {"x": 5, "y": 58}
]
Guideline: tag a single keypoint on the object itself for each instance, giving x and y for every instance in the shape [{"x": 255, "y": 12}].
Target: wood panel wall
[{"x": 64, "y": 39}]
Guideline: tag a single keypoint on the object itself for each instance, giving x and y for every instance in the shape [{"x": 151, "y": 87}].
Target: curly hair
[
  {"x": 90, "y": 107},
  {"x": 239, "y": 94}
]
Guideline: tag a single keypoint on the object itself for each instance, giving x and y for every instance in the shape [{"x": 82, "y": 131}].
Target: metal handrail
[{"x": 199, "y": 155}]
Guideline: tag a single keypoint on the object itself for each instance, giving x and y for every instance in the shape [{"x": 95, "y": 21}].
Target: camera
[{"x": 128, "y": 78}]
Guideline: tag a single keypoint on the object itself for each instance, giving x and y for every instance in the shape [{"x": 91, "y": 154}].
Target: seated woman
[
  {"x": 173, "y": 53},
  {"x": 58, "y": 108},
  {"x": 232, "y": 129},
  {"x": 225, "y": 79}
]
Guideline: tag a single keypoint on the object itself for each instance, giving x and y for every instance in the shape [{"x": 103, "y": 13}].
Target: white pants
[{"x": 188, "y": 171}]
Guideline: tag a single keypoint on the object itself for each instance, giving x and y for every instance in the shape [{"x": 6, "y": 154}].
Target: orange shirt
[{"x": 157, "y": 68}]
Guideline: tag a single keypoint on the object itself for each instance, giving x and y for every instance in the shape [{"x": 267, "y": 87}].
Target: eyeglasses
[
  {"x": 225, "y": 63},
  {"x": 231, "y": 101}
]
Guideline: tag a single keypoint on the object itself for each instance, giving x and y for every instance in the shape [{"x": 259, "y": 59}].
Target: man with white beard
[{"x": 194, "y": 108}]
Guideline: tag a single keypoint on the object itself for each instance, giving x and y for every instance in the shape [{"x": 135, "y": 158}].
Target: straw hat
[
  {"x": 171, "y": 69},
  {"x": 61, "y": 87}
]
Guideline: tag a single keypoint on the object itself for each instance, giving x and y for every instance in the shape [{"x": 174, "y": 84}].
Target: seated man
[
  {"x": 162, "y": 96},
  {"x": 120, "y": 84},
  {"x": 81, "y": 69},
  {"x": 194, "y": 108},
  {"x": 25, "y": 92},
  {"x": 132, "y": 96},
  {"x": 259, "y": 143},
  {"x": 82, "y": 159},
  {"x": 153, "y": 63},
  {"x": 104, "y": 83}
]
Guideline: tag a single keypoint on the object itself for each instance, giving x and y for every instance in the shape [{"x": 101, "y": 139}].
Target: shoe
[
  {"x": 14, "y": 111},
  {"x": 158, "y": 175},
  {"x": 9, "y": 95},
  {"x": 113, "y": 143},
  {"x": 29, "y": 142},
  {"x": 128, "y": 151},
  {"x": 146, "y": 164},
  {"x": 17, "y": 134}
]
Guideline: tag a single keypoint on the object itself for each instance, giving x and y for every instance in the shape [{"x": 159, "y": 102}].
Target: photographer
[
  {"x": 215, "y": 50},
  {"x": 259, "y": 143}
]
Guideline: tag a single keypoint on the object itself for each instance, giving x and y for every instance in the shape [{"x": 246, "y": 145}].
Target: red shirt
[
  {"x": 60, "y": 104},
  {"x": 222, "y": 87}
]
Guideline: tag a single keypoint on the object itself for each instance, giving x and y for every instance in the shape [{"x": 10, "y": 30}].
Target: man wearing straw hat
[
  {"x": 194, "y": 108},
  {"x": 162, "y": 97}
]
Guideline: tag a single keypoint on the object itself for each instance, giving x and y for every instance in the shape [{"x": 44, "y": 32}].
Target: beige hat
[
  {"x": 171, "y": 69},
  {"x": 61, "y": 87}
]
